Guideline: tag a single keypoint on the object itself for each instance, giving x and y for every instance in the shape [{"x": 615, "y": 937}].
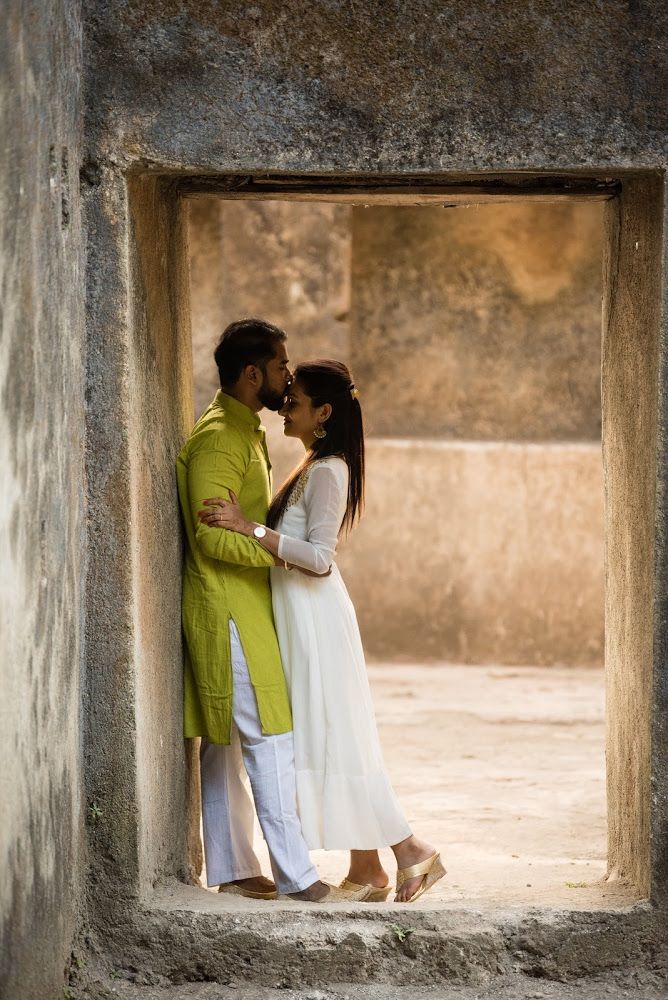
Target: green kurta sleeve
[{"x": 214, "y": 474}]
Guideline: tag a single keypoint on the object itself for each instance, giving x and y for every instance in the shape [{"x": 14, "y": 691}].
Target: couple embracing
[{"x": 275, "y": 680}]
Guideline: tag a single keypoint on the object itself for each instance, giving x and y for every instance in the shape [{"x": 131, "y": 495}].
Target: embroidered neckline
[
  {"x": 301, "y": 484},
  {"x": 299, "y": 487}
]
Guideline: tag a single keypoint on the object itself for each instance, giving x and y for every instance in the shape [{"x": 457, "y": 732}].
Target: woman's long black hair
[{"x": 325, "y": 381}]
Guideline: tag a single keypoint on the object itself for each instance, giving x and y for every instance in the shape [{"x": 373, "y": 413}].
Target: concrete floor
[{"x": 503, "y": 768}]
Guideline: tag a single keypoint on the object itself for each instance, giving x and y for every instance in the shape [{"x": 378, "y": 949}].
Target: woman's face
[{"x": 300, "y": 417}]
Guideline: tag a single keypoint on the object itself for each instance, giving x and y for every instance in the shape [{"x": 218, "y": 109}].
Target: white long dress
[{"x": 344, "y": 796}]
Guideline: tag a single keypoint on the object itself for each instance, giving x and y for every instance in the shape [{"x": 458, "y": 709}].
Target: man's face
[{"x": 275, "y": 381}]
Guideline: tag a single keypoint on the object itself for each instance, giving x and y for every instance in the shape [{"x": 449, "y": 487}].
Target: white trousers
[{"x": 227, "y": 812}]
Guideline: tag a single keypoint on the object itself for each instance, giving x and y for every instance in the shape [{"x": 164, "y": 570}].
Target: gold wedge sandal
[
  {"x": 432, "y": 869},
  {"x": 238, "y": 890},
  {"x": 336, "y": 894},
  {"x": 349, "y": 893},
  {"x": 373, "y": 895}
]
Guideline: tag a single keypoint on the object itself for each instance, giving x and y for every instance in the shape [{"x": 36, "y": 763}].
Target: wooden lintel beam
[
  {"x": 447, "y": 199},
  {"x": 451, "y": 192}
]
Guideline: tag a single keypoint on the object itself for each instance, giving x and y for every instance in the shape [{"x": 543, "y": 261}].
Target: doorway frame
[{"x": 136, "y": 333}]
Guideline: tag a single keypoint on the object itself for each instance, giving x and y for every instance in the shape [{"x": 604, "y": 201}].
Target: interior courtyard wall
[
  {"x": 503, "y": 573},
  {"x": 42, "y": 497},
  {"x": 479, "y": 323},
  {"x": 463, "y": 324},
  {"x": 275, "y": 260}
]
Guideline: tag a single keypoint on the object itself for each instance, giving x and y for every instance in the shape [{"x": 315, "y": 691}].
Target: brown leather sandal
[{"x": 238, "y": 890}]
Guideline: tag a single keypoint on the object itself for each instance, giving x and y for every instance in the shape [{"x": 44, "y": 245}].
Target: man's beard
[{"x": 270, "y": 398}]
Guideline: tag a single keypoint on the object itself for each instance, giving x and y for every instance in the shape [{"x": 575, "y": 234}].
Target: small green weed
[
  {"x": 575, "y": 885},
  {"x": 401, "y": 933},
  {"x": 95, "y": 812}
]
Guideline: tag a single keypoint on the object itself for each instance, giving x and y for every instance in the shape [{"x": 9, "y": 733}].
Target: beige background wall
[
  {"x": 474, "y": 337},
  {"x": 479, "y": 323},
  {"x": 480, "y": 552},
  {"x": 285, "y": 261}
]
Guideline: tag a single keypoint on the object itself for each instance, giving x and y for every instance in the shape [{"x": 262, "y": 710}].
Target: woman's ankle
[
  {"x": 366, "y": 869},
  {"x": 411, "y": 850},
  {"x": 367, "y": 873},
  {"x": 377, "y": 877}
]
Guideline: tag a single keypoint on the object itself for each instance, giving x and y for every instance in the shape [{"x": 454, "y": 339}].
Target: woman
[{"x": 344, "y": 796}]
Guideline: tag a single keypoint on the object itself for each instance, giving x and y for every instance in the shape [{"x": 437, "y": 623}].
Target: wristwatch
[{"x": 259, "y": 531}]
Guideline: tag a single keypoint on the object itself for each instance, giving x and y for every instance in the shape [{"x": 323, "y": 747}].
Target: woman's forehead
[{"x": 297, "y": 392}]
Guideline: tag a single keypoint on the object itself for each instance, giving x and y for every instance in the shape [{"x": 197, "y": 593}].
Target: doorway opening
[
  {"x": 630, "y": 292},
  {"x": 474, "y": 336}
]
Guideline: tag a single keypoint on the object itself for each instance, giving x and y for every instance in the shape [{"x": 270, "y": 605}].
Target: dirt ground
[{"x": 503, "y": 769}]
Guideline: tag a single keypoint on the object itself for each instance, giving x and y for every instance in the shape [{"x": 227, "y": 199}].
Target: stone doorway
[{"x": 158, "y": 349}]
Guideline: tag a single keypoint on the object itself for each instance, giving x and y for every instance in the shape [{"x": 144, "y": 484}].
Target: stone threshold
[{"x": 187, "y": 935}]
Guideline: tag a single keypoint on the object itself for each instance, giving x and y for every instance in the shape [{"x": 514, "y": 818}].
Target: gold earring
[{"x": 320, "y": 432}]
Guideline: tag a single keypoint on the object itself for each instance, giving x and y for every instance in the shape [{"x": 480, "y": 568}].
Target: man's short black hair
[{"x": 246, "y": 342}]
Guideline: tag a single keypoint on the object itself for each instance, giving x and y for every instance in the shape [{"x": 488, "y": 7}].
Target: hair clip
[{"x": 353, "y": 392}]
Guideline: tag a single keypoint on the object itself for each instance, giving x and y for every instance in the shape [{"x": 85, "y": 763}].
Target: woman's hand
[
  {"x": 309, "y": 572},
  {"x": 220, "y": 513}
]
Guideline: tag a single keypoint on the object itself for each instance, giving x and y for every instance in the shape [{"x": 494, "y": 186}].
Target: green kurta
[{"x": 226, "y": 574}]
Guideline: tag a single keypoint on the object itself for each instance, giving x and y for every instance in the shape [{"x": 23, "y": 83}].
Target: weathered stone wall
[
  {"x": 419, "y": 87},
  {"x": 42, "y": 501},
  {"x": 160, "y": 397},
  {"x": 463, "y": 324},
  {"x": 139, "y": 369}
]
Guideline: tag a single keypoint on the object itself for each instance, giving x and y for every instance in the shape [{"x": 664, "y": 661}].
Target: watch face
[{"x": 259, "y": 531}]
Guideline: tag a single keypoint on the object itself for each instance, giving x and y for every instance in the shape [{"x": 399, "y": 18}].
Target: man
[{"x": 235, "y": 695}]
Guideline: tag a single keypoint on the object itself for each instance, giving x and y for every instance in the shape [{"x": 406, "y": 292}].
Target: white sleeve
[{"x": 324, "y": 500}]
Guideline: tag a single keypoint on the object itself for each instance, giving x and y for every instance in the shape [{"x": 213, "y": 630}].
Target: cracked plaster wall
[{"x": 41, "y": 497}]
